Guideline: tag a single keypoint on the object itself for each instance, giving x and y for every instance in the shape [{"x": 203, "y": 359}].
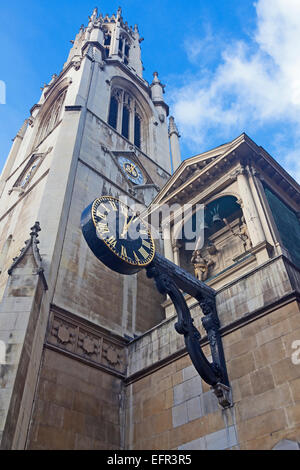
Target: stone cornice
[{"x": 163, "y": 105}]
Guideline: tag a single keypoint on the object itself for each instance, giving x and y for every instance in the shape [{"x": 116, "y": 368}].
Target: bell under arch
[{"x": 222, "y": 240}]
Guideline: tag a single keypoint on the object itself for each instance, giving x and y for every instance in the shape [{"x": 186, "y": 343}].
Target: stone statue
[{"x": 201, "y": 265}]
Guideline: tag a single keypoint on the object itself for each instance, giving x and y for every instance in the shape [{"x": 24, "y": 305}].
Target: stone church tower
[
  {"x": 98, "y": 128},
  {"x": 90, "y": 358}
]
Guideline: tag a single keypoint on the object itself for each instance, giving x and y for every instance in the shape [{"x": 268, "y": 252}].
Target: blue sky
[{"x": 229, "y": 66}]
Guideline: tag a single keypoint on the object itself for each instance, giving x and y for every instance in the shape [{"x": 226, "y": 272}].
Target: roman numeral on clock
[
  {"x": 146, "y": 244},
  {"x": 112, "y": 241},
  {"x": 103, "y": 228},
  {"x": 143, "y": 252},
  {"x": 113, "y": 205},
  {"x": 123, "y": 251},
  {"x": 101, "y": 216}
]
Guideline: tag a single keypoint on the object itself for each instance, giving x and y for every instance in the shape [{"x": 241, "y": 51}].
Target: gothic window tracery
[
  {"x": 124, "y": 48},
  {"x": 107, "y": 42},
  {"x": 51, "y": 118},
  {"x": 28, "y": 172},
  {"x": 124, "y": 116}
]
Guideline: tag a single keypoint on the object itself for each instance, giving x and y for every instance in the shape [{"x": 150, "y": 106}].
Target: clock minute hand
[{"x": 126, "y": 226}]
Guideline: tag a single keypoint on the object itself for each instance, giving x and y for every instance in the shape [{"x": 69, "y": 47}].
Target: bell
[{"x": 216, "y": 218}]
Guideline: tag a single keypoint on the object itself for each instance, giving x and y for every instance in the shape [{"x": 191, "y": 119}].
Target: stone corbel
[{"x": 77, "y": 63}]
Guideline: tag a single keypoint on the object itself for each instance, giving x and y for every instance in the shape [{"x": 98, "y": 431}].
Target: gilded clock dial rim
[
  {"x": 139, "y": 178},
  {"x": 117, "y": 253}
]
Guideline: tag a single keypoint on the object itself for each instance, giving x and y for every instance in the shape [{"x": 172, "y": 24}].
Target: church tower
[{"x": 99, "y": 128}]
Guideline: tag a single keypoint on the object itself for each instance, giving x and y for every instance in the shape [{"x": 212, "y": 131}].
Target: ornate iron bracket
[{"x": 169, "y": 279}]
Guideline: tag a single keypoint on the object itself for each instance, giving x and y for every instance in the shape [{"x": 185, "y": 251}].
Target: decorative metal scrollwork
[{"x": 169, "y": 279}]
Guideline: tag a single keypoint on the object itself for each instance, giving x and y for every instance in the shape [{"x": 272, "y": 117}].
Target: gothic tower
[{"x": 98, "y": 128}]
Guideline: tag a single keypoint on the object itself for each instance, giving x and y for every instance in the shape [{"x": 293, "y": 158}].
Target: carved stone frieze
[
  {"x": 112, "y": 355},
  {"x": 63, "y": 334},
  {"x": 87, "y": 342}
]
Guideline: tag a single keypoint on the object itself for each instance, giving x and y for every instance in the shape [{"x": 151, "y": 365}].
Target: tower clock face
[
  {"x": 117, "y": 235},
  {"x": 132, "y": 170}
]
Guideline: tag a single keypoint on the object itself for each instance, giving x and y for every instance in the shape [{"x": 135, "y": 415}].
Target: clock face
[
  {"x": 132, "y": 171},
  {"x": 117, "y": 235}
]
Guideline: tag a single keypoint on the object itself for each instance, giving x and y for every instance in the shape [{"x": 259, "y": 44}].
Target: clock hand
[{"x": 126, "y": 226}]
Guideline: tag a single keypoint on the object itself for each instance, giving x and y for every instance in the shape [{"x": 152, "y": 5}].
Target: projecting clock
[
  {"x": 117, "y": 236},
  {"x": 133, "y": 172}
]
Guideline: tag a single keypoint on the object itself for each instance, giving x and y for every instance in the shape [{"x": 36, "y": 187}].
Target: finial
[
  {"x": 32, "y": 242},
  {"x": 172, "y": 127},
  {"x": 94, "y": 14},
  {"x": 155, "y": 77},
  {"x": 119, "y": 12}
]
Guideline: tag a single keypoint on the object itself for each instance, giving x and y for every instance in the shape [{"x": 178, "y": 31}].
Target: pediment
[
  {"x": 193, "y": 167},
  {"x": 196, "y": 173}
]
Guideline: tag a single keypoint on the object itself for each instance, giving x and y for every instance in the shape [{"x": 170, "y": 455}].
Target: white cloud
[{"x": 255, "y": 85}]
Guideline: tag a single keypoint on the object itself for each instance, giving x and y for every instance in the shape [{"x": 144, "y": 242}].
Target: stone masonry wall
[
  {"x": 169, "y": 407},
  {"x": 77, "y": 407},
  {"x": 172, "y": 408}
]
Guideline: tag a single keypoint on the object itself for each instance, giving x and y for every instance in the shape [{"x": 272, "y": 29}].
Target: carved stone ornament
[
  {"x": 71, "y": 336},
  {"x": 33, "y": 243},
  {"x": 112, "y": 355},
  {"x": 77, "y": 64},
  {"x": 88, "y": 345},
  {"x": 63, "y": 334}
]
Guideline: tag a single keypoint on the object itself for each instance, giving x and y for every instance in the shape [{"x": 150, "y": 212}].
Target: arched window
[
  {"x": 125, "y": 121},
  {"x": 126, "y": 53},
  {"x": 113, "y": 112},
  {"x": 107, "y": 42},
  {"x": 51, "y": 118},
  {"x": 124, "y": 116},
  {"x": 137, "y": 130},
  {"x": 124, "y": 48}
]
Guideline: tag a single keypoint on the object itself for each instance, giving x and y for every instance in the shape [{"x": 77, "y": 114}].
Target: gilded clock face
[
  {"x": 132, "y": 170},
  {"x": 117, "y": 235}
]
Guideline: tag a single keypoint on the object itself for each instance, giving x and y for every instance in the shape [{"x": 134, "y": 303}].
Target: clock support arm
[{"x": 171, "y": 279}]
